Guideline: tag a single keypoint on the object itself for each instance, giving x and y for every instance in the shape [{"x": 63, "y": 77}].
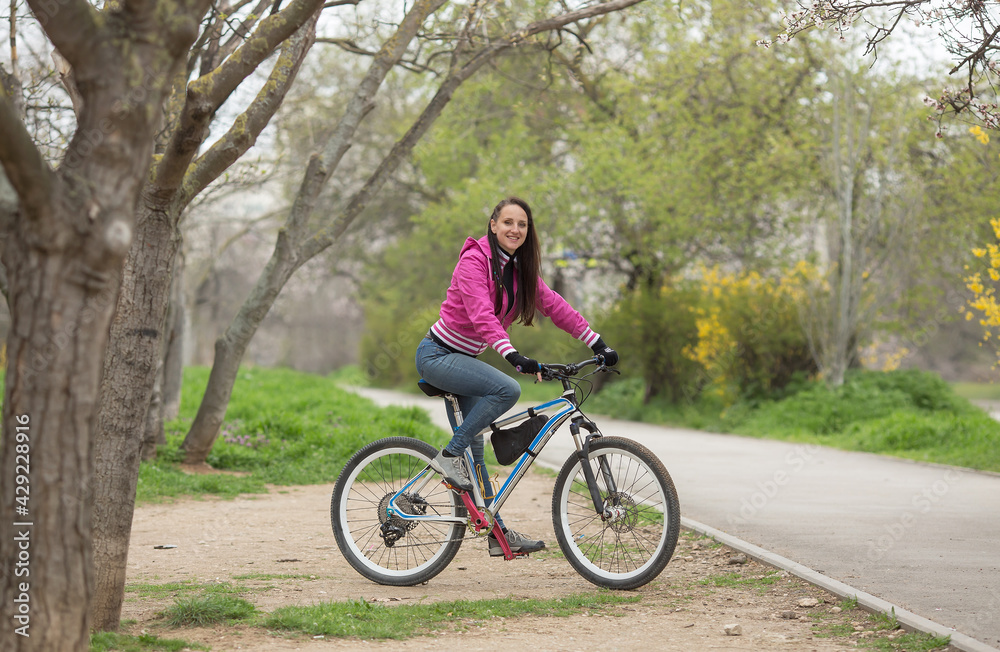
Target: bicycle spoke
[
  {"x": 636, "y": 540},
  {"x": 393, "y": 546}
]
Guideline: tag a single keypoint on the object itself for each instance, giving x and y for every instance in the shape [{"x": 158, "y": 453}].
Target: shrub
[
  {"x": 865, "y": 397},
  {"x": 750, "y": 340},
  {"x": 903, "y": 431},
  {"x": 925, "y": 390},
  {"x": 822, "y": 410},
  {"x": 652, "y": 327}
]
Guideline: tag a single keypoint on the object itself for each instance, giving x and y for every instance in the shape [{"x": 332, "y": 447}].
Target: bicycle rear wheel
[
  {"x": 633, "y": 547},
  {"x": 392, "y": 550}
]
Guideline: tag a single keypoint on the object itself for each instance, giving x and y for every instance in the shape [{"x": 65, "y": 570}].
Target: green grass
[
  {"x": 878, "y": 624},
  {"x": 274, "y": 576},
  {"x": 735, "y": 580},
  {"x": 147, "y": 590},
  {"x": 208, "y": 609},
  {"x": 909, "y": 414},
  {"x": 704, "y": 542},
  {"x": 106, "y": 641},
  {"x": 282, "y": 427},
  {"x": 977, "y": 391},
  {"x": 909, "y": 642},
  {"x": 360, "y": 619}
]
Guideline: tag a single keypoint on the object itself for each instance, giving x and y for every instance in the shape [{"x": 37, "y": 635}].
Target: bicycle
[{"x": 616, "y": 517}]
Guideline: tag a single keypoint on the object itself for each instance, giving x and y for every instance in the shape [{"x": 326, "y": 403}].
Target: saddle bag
[{"x": 509, "y": 443}]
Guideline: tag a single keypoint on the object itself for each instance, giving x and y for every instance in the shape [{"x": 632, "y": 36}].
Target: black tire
[
  {"x": 362, "y": 491},
  {"x": 629, "y": 551}
]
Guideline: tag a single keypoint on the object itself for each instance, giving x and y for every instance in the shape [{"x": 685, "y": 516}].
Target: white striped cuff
[
  {"x": 504, "y": 347},
  {"x": 589, "y": 337}
]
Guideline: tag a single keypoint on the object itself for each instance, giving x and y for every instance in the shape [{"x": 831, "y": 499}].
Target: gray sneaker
[
  {"x": 454, "y": 471},
  {"x": 517, "y": 542}
]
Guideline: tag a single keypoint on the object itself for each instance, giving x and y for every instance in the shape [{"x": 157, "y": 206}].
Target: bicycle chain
[
  {"x": 490, "y": 518},
  {"x": 471, "y": 537}
]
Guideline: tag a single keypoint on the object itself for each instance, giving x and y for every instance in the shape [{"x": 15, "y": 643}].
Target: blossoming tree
[{"x": 969, "y": 30}]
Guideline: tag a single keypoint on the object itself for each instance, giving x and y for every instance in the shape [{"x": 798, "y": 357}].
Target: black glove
[
  {"x": 610, "y": 355},
  {"x": 523, "y": 364}
]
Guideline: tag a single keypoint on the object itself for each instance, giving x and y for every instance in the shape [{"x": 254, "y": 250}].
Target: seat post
[
  {"x": 455, "y": 409},
  {"x": 432, "y": 391}
]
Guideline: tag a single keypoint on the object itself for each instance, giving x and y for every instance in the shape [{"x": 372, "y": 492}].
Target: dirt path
[{"x": 286, "y": 533}]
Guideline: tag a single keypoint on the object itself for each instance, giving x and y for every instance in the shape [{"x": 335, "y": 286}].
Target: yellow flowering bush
[
  {"x": 750, "y": 339},
  {"x": 981, "y": 283},
  {"x": 883, "y": 356}
]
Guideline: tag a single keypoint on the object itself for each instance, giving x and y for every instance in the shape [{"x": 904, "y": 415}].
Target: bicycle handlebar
[{"x": 556, "y": 371}]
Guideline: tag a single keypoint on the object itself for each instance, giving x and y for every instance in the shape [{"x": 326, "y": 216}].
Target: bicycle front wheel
[
  {"x": 389, "y": 549},
  {"x": 633, "y": 546}
]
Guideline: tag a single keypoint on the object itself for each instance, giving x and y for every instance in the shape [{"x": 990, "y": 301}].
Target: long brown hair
[{"x": 528, "y": 267}]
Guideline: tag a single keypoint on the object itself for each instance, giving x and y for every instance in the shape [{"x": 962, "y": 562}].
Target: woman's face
[{"x": 510, "y": 227}]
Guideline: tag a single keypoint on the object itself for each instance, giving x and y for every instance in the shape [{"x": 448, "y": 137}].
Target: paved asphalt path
[{"x": 924, "y": 537}]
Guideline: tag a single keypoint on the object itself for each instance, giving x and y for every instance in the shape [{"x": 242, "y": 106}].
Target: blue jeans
[{"x": 484, "y": 393}]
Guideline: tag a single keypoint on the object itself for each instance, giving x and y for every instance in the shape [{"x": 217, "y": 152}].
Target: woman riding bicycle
[{"x": 495, "y": 283}]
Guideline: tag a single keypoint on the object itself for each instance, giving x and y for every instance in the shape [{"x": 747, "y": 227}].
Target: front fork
[{"x": 609, "y": 512}]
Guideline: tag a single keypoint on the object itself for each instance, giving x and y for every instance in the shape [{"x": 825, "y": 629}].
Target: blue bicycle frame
[{"x": 559, "y": 411}]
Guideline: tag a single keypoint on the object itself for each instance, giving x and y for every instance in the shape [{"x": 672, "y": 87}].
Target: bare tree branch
[
  {"x": 26, "y": 169},
  {"x": 979, "y": 54},
  {"x": 324, "y": 237},
  {"x": 207, "y": 93},
  {"x": 350, "y": 46},
  {"x": 270, "y": 32},
  {"x": 320, "y": 167},
  {"x": 68, "y": 81},
  {"x": 248, "y": 126},
  {"x": 241, "y": 31},
  {"x": 71, "y": 25}
]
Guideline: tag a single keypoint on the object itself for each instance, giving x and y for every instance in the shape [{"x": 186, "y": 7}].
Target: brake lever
[
  {"x": 547, "y": 374},
  {"x": 602, "y": 365}
]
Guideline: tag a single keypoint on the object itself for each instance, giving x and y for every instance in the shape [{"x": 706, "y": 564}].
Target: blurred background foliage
[{"x": 682, "y": 178}]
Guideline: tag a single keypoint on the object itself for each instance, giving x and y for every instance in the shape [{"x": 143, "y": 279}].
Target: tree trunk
[
  {"x": 153, "y": 434},
  {"x": 169, "y": 362},
  {"x": 65, "y": 240},
  {"x": 137, "y": 334},
  {"x": 59, "y": 319},
  {"x": 229, "y": 350},
  {"x": 173, "y": 362},
  {"x": 137, "y": 331}
]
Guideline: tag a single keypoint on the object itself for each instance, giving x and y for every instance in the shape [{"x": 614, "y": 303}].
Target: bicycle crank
[{"x": 480, "y": 522}]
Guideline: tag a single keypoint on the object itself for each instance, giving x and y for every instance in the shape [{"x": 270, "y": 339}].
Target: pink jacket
[{"x": 467, "y": 321}]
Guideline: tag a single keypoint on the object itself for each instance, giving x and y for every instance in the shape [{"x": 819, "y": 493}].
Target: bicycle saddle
[{"x": 429, "y": 389}]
